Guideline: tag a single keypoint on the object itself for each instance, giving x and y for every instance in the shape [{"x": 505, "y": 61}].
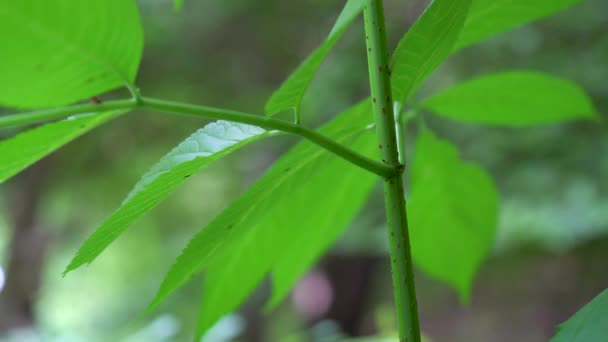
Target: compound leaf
[
  {"x": 281, "y": 225},
  {"x": 206, "y": 145},
  {"x": 58, "y": 52},
  {"x": 515, "y": 98},
  {"x": 452, "y": 213}
]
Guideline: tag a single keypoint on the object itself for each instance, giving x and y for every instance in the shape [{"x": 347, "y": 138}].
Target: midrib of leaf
[
  {"x": 440, "y": 39},
  {"x": 59, "y": 40},
  {"x": 213, "y": 143},
  {"x": 422, "y": 72}
]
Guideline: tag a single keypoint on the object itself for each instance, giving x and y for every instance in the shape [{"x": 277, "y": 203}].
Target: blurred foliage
[{"x": 554, "y": 208}]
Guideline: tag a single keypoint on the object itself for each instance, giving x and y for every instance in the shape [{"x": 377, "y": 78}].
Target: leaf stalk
[{"x": 171, "y": 107}]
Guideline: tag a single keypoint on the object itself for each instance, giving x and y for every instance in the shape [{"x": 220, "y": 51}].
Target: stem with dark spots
[{"x": 399, "y": 243}]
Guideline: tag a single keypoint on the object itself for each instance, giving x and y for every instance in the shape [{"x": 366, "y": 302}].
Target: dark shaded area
[{"x": 28, "y": 247}]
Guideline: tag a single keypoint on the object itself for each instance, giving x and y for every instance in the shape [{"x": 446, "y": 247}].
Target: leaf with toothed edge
[
  {"x": 208, "y": 144},
  {"x": 59, "y": 52},
  {"x": 291, "y": 92},
  {"x": 270, "y": 229},
  {"x": 447, "y": 26},
  {"x": 426, "y": 45},
  {"x": 26, "y": 148}
]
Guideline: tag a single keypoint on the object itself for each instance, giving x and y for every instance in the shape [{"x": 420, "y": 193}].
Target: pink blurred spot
[{"x": 313, "y": 295}]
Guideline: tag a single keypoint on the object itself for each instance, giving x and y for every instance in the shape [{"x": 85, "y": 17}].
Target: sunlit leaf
[
  {"x": 26, "y": 148},
  {"x": 452, "y": 214},
  {"x": 490, "y": 17},
  {"x": 426, "y": 45},
  {"x": 590, "y": 324},
  {"x": 57, "y": 52},
  {"x": 515, "y": 98},
  {"x": 291, "y": 92},
  {"x": 281, "y": 225},
  {"x": 200, "y": 149}
]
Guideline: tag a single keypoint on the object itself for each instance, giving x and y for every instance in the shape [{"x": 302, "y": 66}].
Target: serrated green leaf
[
  {"x": 282, "y": 224},
  {"x": 58, "y": 52},
  {"x": 291, "y": 92},
  {"x": 206, "y": 145},
  {"x": 590, "y": 324},
  {"x": 426, "y": 45},
  {"x": 28, "y": 147},
  {"x": 515, "y": 98},
  {"x": 452, "y": 213},
  {"x": 490, "y": 17}
]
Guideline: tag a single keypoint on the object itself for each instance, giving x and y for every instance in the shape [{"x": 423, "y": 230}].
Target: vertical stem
[{"x": 401, "y": 259}]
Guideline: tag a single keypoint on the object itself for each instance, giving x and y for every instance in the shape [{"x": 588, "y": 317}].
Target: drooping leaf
[
  {"x": 28, "y": 147},
  {"x": 58, "y": 52},
  {"x": 452, "y": 213},
  {"x": 490, "y": 17},
  {"x": 281, "y": 225},
  {"x": 515, "y": 98},
  {"x": 426, "y": 45},
  {"x": 291, "y": 92},
  {"x": 590, "y": 324},
  {"x": 206, "y": 145}
]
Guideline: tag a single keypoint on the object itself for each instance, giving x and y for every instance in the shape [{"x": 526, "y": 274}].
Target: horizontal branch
[
  {"x": 30, "y": 118},
  {"x": 315, "y": 137}
]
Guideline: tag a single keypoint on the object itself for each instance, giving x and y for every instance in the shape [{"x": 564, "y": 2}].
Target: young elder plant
[{"x": 57, "y": 53}]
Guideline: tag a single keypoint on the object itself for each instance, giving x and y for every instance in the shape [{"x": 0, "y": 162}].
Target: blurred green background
[{"x": 552, "y": 245}]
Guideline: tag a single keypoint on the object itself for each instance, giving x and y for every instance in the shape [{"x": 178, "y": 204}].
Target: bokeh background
[{"x": 552, "y": 245}]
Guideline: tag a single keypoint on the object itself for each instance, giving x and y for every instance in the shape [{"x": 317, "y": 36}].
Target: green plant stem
[
  {"x": 399, "y": 244},
  {"x": 30, "y": 118},
  {"x": 273, "y": 124},
  {"x": 207, "y": 112}
]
